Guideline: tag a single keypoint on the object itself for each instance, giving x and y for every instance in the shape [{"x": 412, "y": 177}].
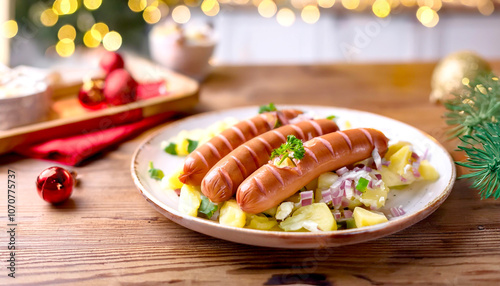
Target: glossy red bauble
[
  {"x": 55, "y": 184},
  {"x": 120, "y": 87},
  {"x": 111, "y": 61},
  {"x": 91, "y": 94}
]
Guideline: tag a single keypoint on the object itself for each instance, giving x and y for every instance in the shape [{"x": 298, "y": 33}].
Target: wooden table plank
[{"x": 107, "y": 234}]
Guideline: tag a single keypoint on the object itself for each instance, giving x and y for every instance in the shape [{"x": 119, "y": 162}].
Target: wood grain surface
[{"x": 107, "y": 234}]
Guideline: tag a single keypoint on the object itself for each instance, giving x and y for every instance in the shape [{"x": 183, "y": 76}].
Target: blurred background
[{"x": 248, "y": 32}]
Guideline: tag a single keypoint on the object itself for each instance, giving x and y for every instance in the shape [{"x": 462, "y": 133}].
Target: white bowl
[{"x": 419, "y": 200}]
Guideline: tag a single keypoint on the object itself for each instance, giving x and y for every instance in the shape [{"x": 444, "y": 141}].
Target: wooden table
[{"x": 107, "y": 234}]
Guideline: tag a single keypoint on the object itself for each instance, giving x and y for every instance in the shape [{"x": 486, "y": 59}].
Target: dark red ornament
[
  {"x": 120, "y": 88},
  {"x": 111, "y": 61},
  {"x": 91, "y": 94},
  {"x": 55, "y": 184}
]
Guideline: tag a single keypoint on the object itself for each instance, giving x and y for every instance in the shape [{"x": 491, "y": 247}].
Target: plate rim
[{"x": 395, "y": 224}]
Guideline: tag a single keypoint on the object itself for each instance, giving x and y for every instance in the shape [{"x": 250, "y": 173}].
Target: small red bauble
[
  {"x": 55, "y": 184},
  {"x": 111, "y": 61},
  {"x": 120, "y": 87},
  {"x": 91, "y": 94}
]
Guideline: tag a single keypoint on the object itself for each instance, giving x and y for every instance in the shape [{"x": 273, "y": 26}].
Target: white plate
[{"x": 419, "y": 200}]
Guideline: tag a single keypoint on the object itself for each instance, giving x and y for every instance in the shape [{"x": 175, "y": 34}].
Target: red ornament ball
[
  {"x": 55, "y": 184},
  {"x": 111, "y": 61},
  {"x": 120, "y": 88},
  {"x": 91, "y": 94}
]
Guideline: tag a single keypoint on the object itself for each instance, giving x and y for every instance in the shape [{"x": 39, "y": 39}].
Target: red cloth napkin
[{"x": 74, "y": 149}]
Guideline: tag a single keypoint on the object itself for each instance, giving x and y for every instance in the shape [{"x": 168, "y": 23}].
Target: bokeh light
[
  {"x": 210, "y": 7},
  {"x": 65, "y": 48},
  {"x": 310, "y": 14},
  {"x": 381, "y": 8},
  {"x": 99, "y": 31},
  {"x": 48, "y": 17},
  {"x": 350, "y": 4},
  {"x": 89, "y": 40},
  {"x": 181, "y": 14},
  {"x": 137, "y": 5},
  {"x": 112, "y": 41},
  {"x": 326, "y": 3},
  {"x": 427, "y": 16},
  {"x": 9, "y": 29},
  {"x": 267, "y": 8},
  {"x": 285, "y": 17},
  {"x": 65, "y": 7},
  {"x": 151, "y": 15},
  {"x": 92, "y": 4},
  {"x": 66, "y": 32},
  {"x": 486, "y": 7}
]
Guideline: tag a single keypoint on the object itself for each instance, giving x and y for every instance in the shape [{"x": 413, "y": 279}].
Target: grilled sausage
[
  {"x": 270, "y": 185},
  {"x": 199, "y": 162},
  {"x": 222, "y": 181}
]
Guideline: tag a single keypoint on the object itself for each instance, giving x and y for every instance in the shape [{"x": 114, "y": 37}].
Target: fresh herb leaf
[
  {"x": 207, "y": 207},
  {"x": 267, "y": 108},
  {"x": 293, "y": 149},
  {"x": 362, "y": 185},
  {"x": 331, "y": 117},
  {"x": 171, "y": 148},
  {"x": 156, "y": 174},
  {"x": 192, "y": 144}
]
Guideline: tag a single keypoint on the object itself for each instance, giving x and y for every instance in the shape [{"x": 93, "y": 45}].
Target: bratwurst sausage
[
  {"x": 199, "y": 162},
  {"x": 222, "y": 181},
  {"x": 270, "y": 185}
]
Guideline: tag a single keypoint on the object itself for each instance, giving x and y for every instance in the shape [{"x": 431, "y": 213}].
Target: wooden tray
[{"x": 68, "y": 117}]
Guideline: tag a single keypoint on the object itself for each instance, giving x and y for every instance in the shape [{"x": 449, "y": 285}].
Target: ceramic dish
[{"x": 419, "y": 200}]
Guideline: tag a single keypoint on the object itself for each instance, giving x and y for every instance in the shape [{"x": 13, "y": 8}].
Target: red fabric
[{"x": 74, "y": 149}]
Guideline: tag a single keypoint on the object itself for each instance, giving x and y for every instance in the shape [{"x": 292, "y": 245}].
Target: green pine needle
[
  {"x": 478, "y": 105},
  {"x": 482, "y": 147}
]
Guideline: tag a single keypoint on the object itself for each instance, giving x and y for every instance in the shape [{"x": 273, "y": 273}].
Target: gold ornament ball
[{"x": 455, "y": 71}]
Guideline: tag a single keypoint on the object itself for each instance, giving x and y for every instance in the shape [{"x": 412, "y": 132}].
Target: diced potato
[
  {"x": 375, "y": 197},
  {"x": 295, "y": 198},
  {"x": 394, "y": 148},
  {"x": 305, "y": 217},
  {"x": 392, "y": 179},
  {"x": 284, "y": 210},
  {"x": 312, "y": 185},
  {"x": 271, "y": 212},
  {"x": 364, "y": 217},
  {"x": 232, "y": 215},
  {"x": 171, "y": 182},
  {"x": 400, "y": 159},
  {"x": 427, "y": 171},
  {"x": 262, "y": 222},
  {"x": 189, "y": 200},
  {"x": 182, "y": 147},
  {"x": 325, "y": 180}
]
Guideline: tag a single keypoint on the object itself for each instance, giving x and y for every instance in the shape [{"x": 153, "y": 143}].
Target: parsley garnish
[
  {"x": 171, "y": 148},
  {"x": 156, "y": 174},
  {"x": 207, "y": 207},
  {"x": 331, "y": 117},
  {"x": 362, "y": 185},
  {"x": 267, "y": 108},
  {"x": 192, "y": 144},
  {"x": 293, "y": 149}
]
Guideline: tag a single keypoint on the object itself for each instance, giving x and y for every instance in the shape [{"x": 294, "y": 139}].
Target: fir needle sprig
[
  {"x": 483, "y": 151},
  {"x": 477, "y": 105}
]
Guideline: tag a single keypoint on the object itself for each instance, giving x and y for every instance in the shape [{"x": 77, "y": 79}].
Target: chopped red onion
[
  {"x": 361, "y": 166},
  {"x": 342, "y": 171},
  {"x": 337, "y": 215},
  {"x": 397, "y": 211},
  {"x": 370, "y": 184},
  {"x": 348, "y": 214},
  {"x": 415, "y": 156},
  {"x": 306, "y": 202},
  {"x": 385, "y": 162},
  {"x": 403, "y": 179},
  {"x": 345, "y": 202},
  {"x": 348, "y": 185},
  {"x": 327, "y": 196},
  {"x": 378, "y": 176},
  {"x": 356, "y": 192},
  {"x": 373, "y": 208},
  {"x": 335, "y": 192},
  {"x": 337, "y": 201},
  {"x": 356, "y": 169},
  {"x": 368, "y": 169},
  {"x": 342, "y": 186},
  {"x": 306, "y": 195},
  {"x": 426, "y": 153},
  {"x": 416, "y": 173},
  {"x": 377, "y": 159}
]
